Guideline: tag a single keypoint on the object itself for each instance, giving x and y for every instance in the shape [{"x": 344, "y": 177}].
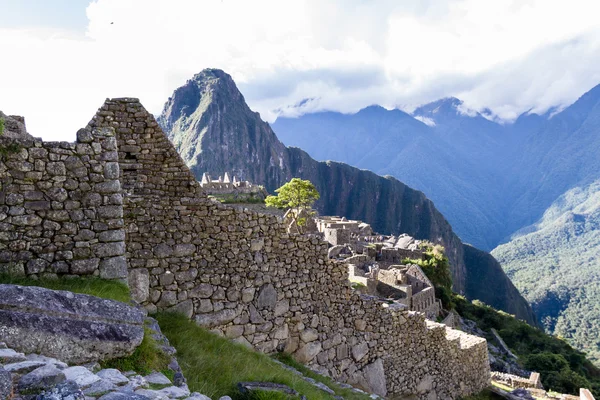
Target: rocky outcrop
[
  {"x": 45, "y": 378},
  {"x": 14, "y": 127},
  {"x": 214, "y": 130},
  {"x": 76, "y": 328}
]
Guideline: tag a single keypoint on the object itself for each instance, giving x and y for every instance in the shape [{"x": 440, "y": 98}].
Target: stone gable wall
[
  {"x": 241, "y": 275},
  {"x": 61, "y": 207}
]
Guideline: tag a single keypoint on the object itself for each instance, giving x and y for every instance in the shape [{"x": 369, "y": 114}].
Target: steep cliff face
[{"x": 215, "y": 131}]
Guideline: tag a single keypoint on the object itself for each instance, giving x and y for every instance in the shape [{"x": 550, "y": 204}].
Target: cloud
[
  {"x": 510, "y": 56},
  {"x": 427, "y": 121}
]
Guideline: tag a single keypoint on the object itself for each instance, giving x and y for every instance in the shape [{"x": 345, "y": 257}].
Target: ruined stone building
[
  {"x": 226, "y": 185},
  {"x": 120, "y": 203},
  {"x": 375, "y": 261}
]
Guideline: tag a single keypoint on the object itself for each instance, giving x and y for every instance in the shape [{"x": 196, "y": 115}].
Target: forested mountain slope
[{"x": 556, "y": 265}]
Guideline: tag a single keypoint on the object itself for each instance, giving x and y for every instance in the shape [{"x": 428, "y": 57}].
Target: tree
[{"x": 297, "y": 196}]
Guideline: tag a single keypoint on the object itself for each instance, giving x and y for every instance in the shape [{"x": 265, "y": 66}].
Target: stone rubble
[{"x": 51, "y": 379}]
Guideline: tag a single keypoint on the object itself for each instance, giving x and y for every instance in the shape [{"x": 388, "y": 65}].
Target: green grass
[
  {"x": 345, "y": 393},
  {"x": 485, "y": 394},
  {"x": 105, "y": 289},
  {"x": 269, "y": 395},
  {"x": 214, "y": 365},
  {"x": 146, "y": 358},
  {"x": 239, "y": 198}
]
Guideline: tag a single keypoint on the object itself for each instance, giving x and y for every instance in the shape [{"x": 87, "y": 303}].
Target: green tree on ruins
[
  {"x": 436, "y": 266},
  {"x": 297, "y": 196}
]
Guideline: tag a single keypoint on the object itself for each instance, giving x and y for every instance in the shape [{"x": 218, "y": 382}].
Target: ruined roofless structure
[
  {"x": 120, "y": 203},
  {"x": 227, "y": 185}
]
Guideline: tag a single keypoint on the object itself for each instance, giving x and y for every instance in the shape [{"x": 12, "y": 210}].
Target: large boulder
[{"x": 75, "y": 328}]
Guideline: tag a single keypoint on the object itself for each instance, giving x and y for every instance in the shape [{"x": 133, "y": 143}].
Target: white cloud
[
  {"x": 425, "y": 120},
  {"x": 510, "y": 56}
]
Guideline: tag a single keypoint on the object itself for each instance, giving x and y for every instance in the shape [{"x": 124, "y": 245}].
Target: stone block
[
  {"x": 248, "y": 294},
  {"x": 359, "y": 351},
  {"x": 81, "y": 375},
  {"x": 374, "y": 376},
  {"x": 185, "y": 307},
  {"x": 267, "y": 297},
  {"x": 282, "y": 307},
  {"x": 309, "y": 335},
  {"x": 107, "y": 187},
  {"x": 307, "y": 352},
  {"x": 75, "y": 328},
  {"x": 84, "y": 267},
  {"x": 234, "y": 331},
  {"x": 218, "y": 318},
  {"x": 111, "y": 170},
  {"x": 183, "y": 250},
  {"x": 113, "y": 268},
  {"x": 167, "y": 298},
  {"x": 257, "y": 244},
  {"x": 113, "y": 375},
  {"x": 139, "y": 284},
  {"x": 110, "y": 212},
  {"x": 115, "y": 235},
  {"x": 113, "y": 249},
  {"x": 43, "y": 378},
  {"x": 202, "y": 291}
]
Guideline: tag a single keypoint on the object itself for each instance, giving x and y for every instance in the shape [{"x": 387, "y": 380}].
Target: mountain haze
[
  {"x": 529, "y": 188},
  {"x": 215, "y": 131},
  {"x": 487, "y": 178}
]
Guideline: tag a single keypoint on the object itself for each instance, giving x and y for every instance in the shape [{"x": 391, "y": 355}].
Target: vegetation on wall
[
  {"x": 1, "y": 126},
  {"x": 436, "y": 266},
  {"x": 563, "y": 368},
  {"x": 113, "y": 290}
]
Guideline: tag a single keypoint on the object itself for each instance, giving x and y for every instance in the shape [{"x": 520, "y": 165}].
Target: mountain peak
[
  {"x": 440, "y": 108},
  {"x": 211, "y": 74},
  {"x": 204, "y": 88}
]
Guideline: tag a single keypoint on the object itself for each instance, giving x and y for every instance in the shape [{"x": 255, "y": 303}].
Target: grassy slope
[
  {"x": 563, "y": 368},
  {"x": 93, "y": 286},
  {"x": 146, "y": 358},
  {"x": 213, "y": 365}
]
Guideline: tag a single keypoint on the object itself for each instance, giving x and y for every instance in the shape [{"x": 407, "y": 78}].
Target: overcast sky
[{"x": 60, "y": 59}]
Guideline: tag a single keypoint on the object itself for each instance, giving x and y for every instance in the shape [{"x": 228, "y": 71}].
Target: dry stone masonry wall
[
  {"x": 241, "y": 275},
  {"x": 61, "y": 209}
]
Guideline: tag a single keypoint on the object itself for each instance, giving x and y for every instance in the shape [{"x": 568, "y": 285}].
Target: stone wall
[
  {"x": 61, "y": 207},
  {"x": 241, "y": 275}
]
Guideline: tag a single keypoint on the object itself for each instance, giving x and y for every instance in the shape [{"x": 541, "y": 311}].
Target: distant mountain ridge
[
  {"x": 489, "y": 179},
  {"x": 215, "y": 131}
]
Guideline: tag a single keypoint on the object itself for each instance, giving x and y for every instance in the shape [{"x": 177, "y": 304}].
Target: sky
[{"x": 60, "y": 59}]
